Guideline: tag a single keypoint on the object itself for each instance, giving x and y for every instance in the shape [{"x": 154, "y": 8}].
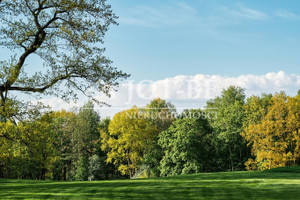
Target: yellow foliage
[
  {"x": 129, "y": 134},
  {"x": 275, "y": 139}
]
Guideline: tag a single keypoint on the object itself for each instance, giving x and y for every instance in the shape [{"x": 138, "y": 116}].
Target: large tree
[
  {"x": 28, "y": 150},
  {"x": 275, "y": 138},
  {"x": 186, "y": 146},
  {"x": 87, "y": 140},
  {"x": 227, "y": 114},
  {"x": 129, "y": 135},
  {"x": 161, "y": 114},
  {"x": 66, "y": 36}
]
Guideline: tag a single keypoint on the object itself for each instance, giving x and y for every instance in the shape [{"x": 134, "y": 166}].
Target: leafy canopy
[
  {"x": 129, "y": 135},
  {"x": 185, "y": 146},
  {"x": 67, "y": 36},
  {"x": 275, "y": 136}
]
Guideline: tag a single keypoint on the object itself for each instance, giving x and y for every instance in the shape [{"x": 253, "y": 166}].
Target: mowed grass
[{"x": 282, "y": 184}]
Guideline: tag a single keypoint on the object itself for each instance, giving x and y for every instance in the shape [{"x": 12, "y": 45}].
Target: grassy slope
[{"x": 231, "y": 185}]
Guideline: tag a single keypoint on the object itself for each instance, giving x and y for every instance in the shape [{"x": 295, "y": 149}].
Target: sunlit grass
[{"x": 230, "y": 185}]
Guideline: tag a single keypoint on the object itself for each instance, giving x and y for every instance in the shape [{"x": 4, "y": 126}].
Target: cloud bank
[{"x": 187, "y": 91}]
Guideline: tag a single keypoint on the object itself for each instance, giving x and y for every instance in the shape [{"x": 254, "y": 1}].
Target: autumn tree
[
  {"x": 293, "y": 128},
  {"x": 275, "y": 139},
  {"x": 66, "y": 37},
  {"x": 129, "y": 134}
]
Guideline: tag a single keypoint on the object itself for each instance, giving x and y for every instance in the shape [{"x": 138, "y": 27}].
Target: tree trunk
[
  {"x": 64, "y": 173},
  {"x": 230, "y": 156}
]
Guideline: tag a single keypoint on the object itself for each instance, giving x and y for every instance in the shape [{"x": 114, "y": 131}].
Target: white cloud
[
  {"x": 181, "y": 14},
  {"x": 288, "y": 15},
  {"x": 187, "y": 91},
  {"x": 158, "y": 16},
  {"x": 244, "y": 12},
  {"x": 58, "y": 104}
]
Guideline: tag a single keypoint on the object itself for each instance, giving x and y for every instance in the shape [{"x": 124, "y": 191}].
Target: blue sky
[
  {"x": 158, "y": 39},
  {"x": 191, "y": 50}
]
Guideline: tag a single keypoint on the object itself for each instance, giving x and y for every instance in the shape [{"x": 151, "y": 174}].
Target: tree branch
[
  {"x": 40, "y": 89},
  {"x": 39, "y": 39}
]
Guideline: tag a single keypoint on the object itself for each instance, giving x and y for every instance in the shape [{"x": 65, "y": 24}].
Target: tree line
[{"x": 231, "y": 133}]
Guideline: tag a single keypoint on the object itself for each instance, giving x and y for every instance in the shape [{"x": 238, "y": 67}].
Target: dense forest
[{"x": 231, "y": 133}]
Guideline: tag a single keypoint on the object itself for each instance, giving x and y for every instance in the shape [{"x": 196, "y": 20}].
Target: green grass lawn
[{"x": 282, "y": 184}]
